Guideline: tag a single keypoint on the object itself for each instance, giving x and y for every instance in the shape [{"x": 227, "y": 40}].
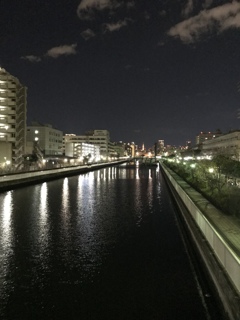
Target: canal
[{"x": 101, "y": 245}]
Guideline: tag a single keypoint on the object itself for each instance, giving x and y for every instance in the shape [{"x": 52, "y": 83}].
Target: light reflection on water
[
  {"x": 7, "y": 207},
  {"x": 137, "y": 173},
  {"x": 79, "y": 218},
  {"x": 6, "y": 239},
  {"x": 89, "y": 233},
  {"x": 150, "y": 190},
  {"x": 43, "y": 204},
  {"x": 43, "y": 219},
  {"x": 65, "y": 205},
  {"x": 65, "y": 196},
  {"x": 69, "y": 246},
  {"x": 138, "y": 202},
  {"x": 36, "y": 235}
]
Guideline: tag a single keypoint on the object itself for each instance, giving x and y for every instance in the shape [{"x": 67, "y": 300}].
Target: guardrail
[
  {"x": 223, "y": 237},
  {"x": 11, "y": 181}
]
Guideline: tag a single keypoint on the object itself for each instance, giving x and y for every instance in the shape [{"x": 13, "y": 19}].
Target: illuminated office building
[
  {"x": 81, "y": 151},
  {"x": 100, "y": 138}
]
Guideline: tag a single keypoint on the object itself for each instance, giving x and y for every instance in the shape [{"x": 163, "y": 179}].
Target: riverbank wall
[
  {"x": 16, "y": 180},
  {"x": 216, "y": 237}
]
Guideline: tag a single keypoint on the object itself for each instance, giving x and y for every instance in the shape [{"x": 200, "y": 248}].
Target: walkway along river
[{"x": 101, "y": 245}]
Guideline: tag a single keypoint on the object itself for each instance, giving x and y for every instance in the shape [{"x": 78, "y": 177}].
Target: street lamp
[{"x": 192, "y": 166}]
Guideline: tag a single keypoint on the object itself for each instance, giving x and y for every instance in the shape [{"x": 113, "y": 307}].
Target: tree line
[{"x": 218, "y": 180}]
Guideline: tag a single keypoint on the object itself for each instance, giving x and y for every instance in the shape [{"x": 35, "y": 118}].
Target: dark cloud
[
  {"x": 32, "y": 58},
  {"x": 87, "y": 34},
  {"x": 64, "y": 50}
]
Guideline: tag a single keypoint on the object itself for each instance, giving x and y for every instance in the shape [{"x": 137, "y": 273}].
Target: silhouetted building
[
  {"x": 203, "y": 136},
  {"x": 188, "y": 144},
  {"x": 160, "y": 147}
]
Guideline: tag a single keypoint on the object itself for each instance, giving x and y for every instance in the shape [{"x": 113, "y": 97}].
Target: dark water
[{"x": 104, "y": 245}]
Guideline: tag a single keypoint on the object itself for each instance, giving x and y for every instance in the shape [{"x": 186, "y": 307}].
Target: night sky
[{"x": 143, "y": 69}]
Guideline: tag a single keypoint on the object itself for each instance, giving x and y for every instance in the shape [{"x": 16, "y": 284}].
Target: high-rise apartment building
[{"x": 13, "y": 114}]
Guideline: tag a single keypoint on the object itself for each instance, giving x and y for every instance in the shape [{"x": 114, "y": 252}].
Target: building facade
[
  {"x": 13, "y": 114},
  {"x": 129, "y": 149},
  {"x": 227, "y": 144},
  {"x": 100, "y": 138},
  {"x": 48, "y": 139},
  {"x": 159, "y": 148},
  {"x": 84, "y": 152},
  {"x": 204, "y": 136}
]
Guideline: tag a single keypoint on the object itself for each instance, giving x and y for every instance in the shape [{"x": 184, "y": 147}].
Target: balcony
[{"x": 7, "y": 111}]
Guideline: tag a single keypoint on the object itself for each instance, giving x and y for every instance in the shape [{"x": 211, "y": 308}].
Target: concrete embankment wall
[
  {"x": 12, "y": 181},
  {"x": 221, "y": 258}
]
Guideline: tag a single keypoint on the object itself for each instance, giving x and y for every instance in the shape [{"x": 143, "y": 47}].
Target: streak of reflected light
[
  {"x": 65, "y": 196},
  {"x": 137, "y": 173},
  {"x": 150, "y": 190},
  {"x": 6, "y": 219},
  {"x": 103, "y": 176},
  {"x": 43, "y": 218},
  {"x": 138, "y": 202},
  {"x": 85, "y": 189},
  {"x": 65, "y": 205},
  {"x": 6, "y": 236},
  {"x": 43, "y": 201},
  {"x": 150, "y": 174},
  {"x": 98, "y": 175}
]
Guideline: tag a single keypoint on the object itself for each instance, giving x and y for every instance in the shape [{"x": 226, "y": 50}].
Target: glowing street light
[{"x": 192, "y": 166}]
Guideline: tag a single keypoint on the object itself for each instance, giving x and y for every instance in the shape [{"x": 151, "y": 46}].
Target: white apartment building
[
  {"x": 226, "y": 144},
  {"x": 13, "y": 111},
  {"x": 82, "y": 151},
  {"x": 49, "y": 139},
  {"x": 100, "y": 138}
]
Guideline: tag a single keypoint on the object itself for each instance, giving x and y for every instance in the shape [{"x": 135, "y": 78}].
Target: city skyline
[{"x": 143, "y": 72}]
